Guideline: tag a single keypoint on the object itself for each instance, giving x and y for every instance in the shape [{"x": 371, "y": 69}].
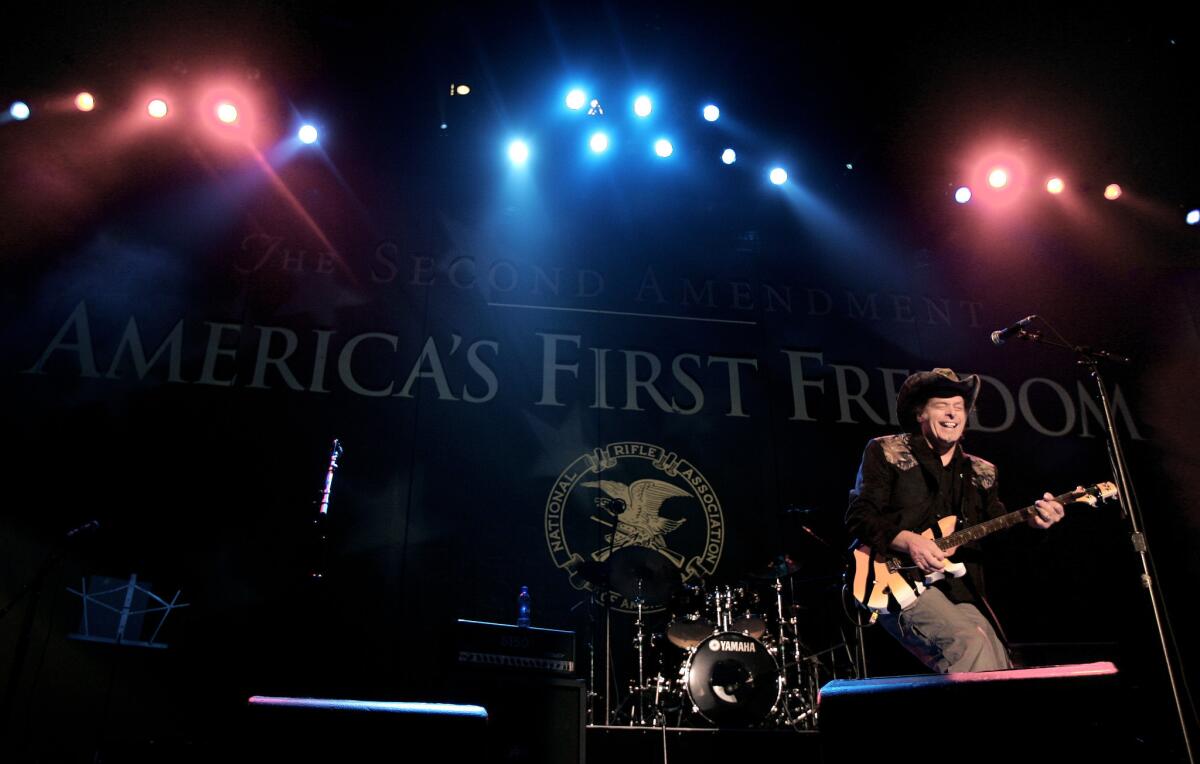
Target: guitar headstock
[{"x": 1093, "y": 495}]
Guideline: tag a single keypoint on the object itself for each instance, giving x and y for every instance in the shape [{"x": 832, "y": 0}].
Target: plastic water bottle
[{"x": 523, "y": 607}]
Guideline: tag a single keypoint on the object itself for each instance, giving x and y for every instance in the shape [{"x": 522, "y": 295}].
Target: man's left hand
[{"x": 1049, "y": 512}]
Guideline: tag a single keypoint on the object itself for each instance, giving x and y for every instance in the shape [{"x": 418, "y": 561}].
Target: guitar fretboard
[{"x": 976, "y": 532}]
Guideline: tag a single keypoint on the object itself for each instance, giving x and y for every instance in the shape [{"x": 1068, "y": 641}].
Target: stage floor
[{"x": 622, "y": 745}]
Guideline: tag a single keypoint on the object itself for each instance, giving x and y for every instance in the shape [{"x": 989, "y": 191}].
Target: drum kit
[{"x": 727, "y": 655}]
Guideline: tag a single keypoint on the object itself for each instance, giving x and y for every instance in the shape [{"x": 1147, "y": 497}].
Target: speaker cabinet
[
  {"x": 532, "y": 718},
  {"x": 1051, "y": 714}
]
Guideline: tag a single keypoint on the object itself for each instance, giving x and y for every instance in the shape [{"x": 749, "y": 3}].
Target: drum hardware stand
[
  {"x": 637, "y": 575},
  {"x": 591, "y": 685},
  {"x": 806, "y": 669},
  {"x": 638, "y": 716},
  {"x": 719, "y": 596},
  {"x": 784, "y": 691},
  {"x": 1090, "y": 359},
  {"x": 802, "y": 692},
  {"x": 607, "y": 663},
  {"x": 639, "y": 642}
]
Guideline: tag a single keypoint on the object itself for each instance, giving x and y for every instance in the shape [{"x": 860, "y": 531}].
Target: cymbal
[
  {"x": 595, "y": 573},
  {"x": 640, "y": 573},
  {"x": 686, "y": 634}
]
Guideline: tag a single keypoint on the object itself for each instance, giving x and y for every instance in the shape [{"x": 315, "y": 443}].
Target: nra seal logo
[{"x": 633, "y": 495}]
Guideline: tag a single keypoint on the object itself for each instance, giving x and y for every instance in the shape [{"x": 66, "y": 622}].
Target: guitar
[{"x": 876, "y": 578}]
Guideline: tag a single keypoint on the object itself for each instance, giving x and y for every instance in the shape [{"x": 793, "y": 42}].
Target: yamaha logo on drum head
[
  {"x": 731, "y": 646},
  {"x": 639, "y": 496}
]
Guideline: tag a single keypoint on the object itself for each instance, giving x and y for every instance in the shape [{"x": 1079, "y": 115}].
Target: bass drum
[{"x": 731, "y": 679}]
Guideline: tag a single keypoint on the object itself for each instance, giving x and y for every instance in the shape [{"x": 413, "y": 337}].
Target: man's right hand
[{"x": 924, "y": 553}]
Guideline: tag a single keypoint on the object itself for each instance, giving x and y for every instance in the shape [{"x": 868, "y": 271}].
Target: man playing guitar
[{"x": 907, "y": 484}]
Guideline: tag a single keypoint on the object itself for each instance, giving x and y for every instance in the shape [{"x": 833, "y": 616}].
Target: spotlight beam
[{"x": 302, "y": 213}]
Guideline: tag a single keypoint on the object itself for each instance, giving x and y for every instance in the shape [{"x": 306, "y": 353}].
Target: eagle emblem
[{"x": 636, "y": 521}]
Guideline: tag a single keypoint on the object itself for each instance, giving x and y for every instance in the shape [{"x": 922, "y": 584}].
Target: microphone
[{"x": 1000, "y": 335}]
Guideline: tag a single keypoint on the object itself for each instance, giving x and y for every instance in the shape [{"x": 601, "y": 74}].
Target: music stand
[{"x": 131, "y": 597}]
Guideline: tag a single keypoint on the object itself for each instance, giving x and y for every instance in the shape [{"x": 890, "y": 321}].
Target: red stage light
[
  {"x": 1112, "y": 192},
  {"x": 157, "y": 108},
  {"x": 998, "y": 178},
  {"x": 227, "y": 112},
  {"x": 85, "y": 101},
  {"x": 1055, "y": 185}
]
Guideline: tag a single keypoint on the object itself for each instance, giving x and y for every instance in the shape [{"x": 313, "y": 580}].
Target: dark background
[{"x": 438, "y": 508}]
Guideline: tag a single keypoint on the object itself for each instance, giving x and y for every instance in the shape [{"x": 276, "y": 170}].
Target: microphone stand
[
  {"x": 1090, "y": 359},
  {"x": 321, "y": 523}
]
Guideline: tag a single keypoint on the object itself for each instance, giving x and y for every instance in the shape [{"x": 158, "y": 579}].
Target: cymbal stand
[
  {"x": 724, "y": 599},
  {"x": 639, "y": 641},
  {"x": 783, "y": 636},
  {"x": 797, "y": 701},
  {"x": 592, "y": 688},
  {"x": 638, "y": 689},
  {"x": 656, "y": 715}
]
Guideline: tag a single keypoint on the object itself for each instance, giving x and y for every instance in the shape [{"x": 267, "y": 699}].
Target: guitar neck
[{"x": 976, "y": 532}]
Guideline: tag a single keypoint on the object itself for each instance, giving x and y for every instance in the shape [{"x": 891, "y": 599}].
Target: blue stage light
[
  {"x": 19, "y": 110},
  {"x": 598, "y": 143},
  {"x": 779, "y": 176},
  {"x": 307, "y": 134},
  {"x": 728, "y": 156},
  {"x": 712, "y": 113},
  {"x": 962, "y": 195},
  {"x": 663, "y": 148},
  {"x": 642, "y": 106},
  {"x": 1193, "y": 217},
  {"x": 518, "y": 152},
  {"x": 576, "y": 99}
]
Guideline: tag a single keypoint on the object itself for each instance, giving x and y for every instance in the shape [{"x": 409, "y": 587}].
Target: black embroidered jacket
[{"x": 902, "y": 485}]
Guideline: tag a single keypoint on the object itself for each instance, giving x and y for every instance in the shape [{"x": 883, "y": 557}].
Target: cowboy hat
[{"x": 939, "y": 383}]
